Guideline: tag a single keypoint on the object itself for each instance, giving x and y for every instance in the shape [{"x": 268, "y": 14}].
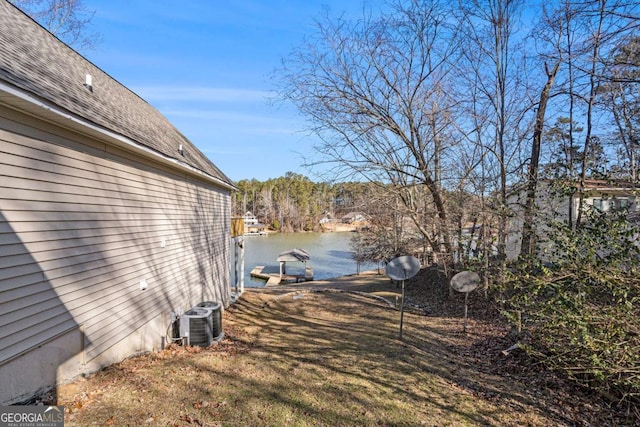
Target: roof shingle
[{"x": 34, "y": 60}]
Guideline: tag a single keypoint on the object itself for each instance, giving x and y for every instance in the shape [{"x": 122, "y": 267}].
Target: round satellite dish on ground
[
  {"x": 403, "y": 267},
  {"x": 465, "y": 281}
]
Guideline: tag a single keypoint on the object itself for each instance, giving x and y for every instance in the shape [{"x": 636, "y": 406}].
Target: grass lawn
[{"x": 315, "y": 359}]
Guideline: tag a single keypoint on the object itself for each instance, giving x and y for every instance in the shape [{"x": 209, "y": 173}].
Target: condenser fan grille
[
  {"x": 196, "y": 325},
  {"x": 216, "y": 317}
]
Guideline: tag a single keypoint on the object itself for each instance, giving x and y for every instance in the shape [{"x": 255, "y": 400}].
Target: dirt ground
[{"x": 329, "y": 353}]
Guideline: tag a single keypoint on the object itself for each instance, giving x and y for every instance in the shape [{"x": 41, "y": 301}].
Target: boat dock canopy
[
  {"x": 299, "y": 255},
  {"x": 295, "y": 255}
]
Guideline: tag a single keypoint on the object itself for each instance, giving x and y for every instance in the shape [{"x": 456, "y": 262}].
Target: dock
[{"x": 276, "y": 279}]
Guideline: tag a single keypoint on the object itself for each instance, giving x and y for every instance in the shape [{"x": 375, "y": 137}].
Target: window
[
  {"x": 613, "y": 204},
  {"x": 620, "y": 204},
  {"x": 598, "y": 205}
]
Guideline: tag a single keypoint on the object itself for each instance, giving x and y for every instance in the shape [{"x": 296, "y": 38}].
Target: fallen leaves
[
  {"x": 325, "y": 360},
  {"x": 208, "y": 404},
  {"x": 190, "y": 419}
]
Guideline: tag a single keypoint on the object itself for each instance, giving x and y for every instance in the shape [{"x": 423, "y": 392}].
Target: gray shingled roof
[{"x": 34, "y": 60}]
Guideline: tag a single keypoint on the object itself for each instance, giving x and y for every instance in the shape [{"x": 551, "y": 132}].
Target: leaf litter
[{"x": 334, "y": 359}]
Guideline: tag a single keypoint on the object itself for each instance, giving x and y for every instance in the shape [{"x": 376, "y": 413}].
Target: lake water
[{"x": 330, "y": 255}]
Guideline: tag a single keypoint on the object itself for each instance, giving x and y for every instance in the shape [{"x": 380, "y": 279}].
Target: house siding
[
  {"x": 549, "y": 206},
  {"x": 81, "y": 224},
  {"x": 552, "y": 206}
]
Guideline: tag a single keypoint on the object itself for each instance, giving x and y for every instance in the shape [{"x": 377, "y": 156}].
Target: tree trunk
[
  {"x": 591, "y": 101},
  {"x": 528, "y": 228}
]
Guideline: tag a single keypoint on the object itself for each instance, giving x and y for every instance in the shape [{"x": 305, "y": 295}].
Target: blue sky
[{"x": 207, "y": 66}]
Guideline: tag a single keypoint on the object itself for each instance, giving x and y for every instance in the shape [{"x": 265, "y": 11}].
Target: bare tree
[
  {"x": 622, "y": 97},
  {"x": 528, "y": 231},
  {"x": 375, "y": 92},
  {"x": 69, "y": 20},
  {"x": 604, "y": 24},
  {"x": 578, "y": 36},
  {"x": 596, "y": 41},
  {"x": 557, "y": 34},
  {"x": 498, "y": 104}
]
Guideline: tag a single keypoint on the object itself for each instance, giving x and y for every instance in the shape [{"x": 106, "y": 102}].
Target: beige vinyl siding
[{"x": 78, "y": 231}]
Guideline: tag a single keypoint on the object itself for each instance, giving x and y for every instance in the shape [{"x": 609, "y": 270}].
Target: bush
[{"x": 582, "y": 313}]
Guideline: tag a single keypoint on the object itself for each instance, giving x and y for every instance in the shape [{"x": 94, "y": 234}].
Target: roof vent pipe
[{"x": 88, "y": 82}]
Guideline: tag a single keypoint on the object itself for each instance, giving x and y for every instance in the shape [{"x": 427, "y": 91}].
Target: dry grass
[{"x": 312, "y": 359}]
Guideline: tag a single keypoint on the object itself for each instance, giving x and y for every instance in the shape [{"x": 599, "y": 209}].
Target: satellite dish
[
  {"x": 403, "y": 267},
  {"x": 465, "y": 281}
]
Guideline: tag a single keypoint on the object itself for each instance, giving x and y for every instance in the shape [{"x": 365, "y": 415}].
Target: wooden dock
[{"x": 274, "y": 278}]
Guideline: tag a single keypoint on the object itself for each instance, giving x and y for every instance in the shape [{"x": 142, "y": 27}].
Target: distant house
[
  {"x": 252, "y": 227},
  {"x": 250, "y": 219},
  {"x": 110, "y": 219},
  {"x": 326, "y": 219},
  {"x": 255, "y": 229},
  {"x": 354, "y": 218},
  {"x": 553, "y": 204}
]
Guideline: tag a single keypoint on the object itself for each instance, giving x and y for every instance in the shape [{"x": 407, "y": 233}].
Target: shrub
[{"x": 581, "y": 313}]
